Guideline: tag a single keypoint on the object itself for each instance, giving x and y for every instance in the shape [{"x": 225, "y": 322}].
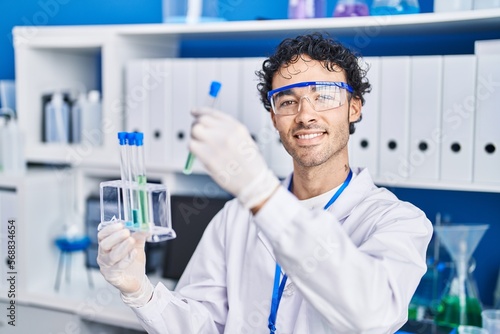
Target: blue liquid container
[
  {"x": 306, "y": 9},
  {"x": 394, "y": 7}
]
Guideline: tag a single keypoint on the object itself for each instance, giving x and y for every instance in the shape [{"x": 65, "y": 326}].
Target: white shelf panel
[
  {"x": 80, "y": 46},
  {"x": 428, "y": 23},
  {"x": 101, "y": 304},
  {"x": 82, "y": 51}
]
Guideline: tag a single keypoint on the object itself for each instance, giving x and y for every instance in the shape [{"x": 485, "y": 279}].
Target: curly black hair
[{"x": 318, "y": 47}]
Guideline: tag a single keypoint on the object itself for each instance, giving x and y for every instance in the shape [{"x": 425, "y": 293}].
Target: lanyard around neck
[{"x": 279, "y": 286}]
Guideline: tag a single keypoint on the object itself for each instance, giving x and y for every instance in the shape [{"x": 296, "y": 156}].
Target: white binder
[
  {"x": 363, "y": 144},
  {"x": 227, "y": 72},
  {"x": 457, "y": 123},
  {"x": 206, "y": 71},
  {"x": 253, "y": 114},
  {"x": 425, "y": 117},
  {"x": 136, "y": 96},
  {"x": 394, "y": 118},
  {"x": 487, "y": 134},
  {"x": 280, "y": 161},
  {"x": 487, "y": 47},
  {"x": 184, "y": 99},
  {"x": 157, "y": 141},
  {"x": 229, "y": 99}
]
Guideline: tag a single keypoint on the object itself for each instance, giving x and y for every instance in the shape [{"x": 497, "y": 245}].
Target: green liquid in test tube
[
  {"x": 135, "y": 206},
  {"x": 212, "y": 97},
  {"x": 140, "y": 178},
  {"x": 125, "y": 177}
]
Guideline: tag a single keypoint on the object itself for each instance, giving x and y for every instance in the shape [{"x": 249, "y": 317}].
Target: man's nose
[{"x": 306, "y": 112}]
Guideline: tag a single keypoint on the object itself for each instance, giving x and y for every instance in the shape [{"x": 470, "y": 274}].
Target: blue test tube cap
[
  {"x": 214, "y": 88},
  {"x": 122, "y": 138},
  {"x": 139, "y": 138},
  {"x": 131, "y": 138}
]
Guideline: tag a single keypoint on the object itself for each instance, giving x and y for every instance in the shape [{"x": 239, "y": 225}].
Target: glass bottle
[
  {"x": 346, "y": 8},
  {"x": 460, "y": 304}
]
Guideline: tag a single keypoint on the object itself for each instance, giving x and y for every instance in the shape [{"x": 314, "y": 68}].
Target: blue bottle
[
  {"x": 394, "y": 7},
  {"x": 306, "y": 9}
]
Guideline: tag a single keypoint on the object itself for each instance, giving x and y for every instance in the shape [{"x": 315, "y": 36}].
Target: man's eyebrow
[{"x": 286, "y": 92}]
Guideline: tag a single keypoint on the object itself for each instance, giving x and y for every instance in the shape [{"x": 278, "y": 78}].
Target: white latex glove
[
  {"x": 231, "y": 157},
  {"x": 122, "y": 261}
]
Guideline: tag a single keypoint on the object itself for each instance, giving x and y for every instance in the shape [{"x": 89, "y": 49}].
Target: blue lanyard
[{"x": 280, "y": 286}]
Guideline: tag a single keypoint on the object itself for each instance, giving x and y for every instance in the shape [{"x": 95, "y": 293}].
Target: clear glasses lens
[{"x": 320, "y": 97}]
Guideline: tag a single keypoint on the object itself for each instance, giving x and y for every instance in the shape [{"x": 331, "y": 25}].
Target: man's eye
[
  {"x": 325, "y": 97},
  {"x": 287, "y": 103}
]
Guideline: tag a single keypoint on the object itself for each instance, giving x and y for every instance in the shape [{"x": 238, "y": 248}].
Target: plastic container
[
  {"x": 491, "y": 321},
  {"x": 12, "y": 159},
  {"x": 158, "y": 226},
  {"x": 471, "y": 330},
  {"x": 306, "y": 9},
  {"x": 347, "y": 8},
  {"x": 76, "y": 118},
  {"x": 394, "y": 7},
  {"x": 319, "y": 8},
  {"x": 57, "y": 119},
  {"x": 92, "y": 119},
  {"x": 452, "y": 5},
  {"x": 484, "y": 4},
  {"x": 190, "y": 11}
]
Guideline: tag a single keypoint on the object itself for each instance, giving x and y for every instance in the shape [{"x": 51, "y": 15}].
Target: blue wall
[
  {"x": 81, "y": 12},
  {"x": 458, "y": 206}
]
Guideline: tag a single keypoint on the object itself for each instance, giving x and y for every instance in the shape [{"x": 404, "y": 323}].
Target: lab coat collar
[{"x": 357, "y": 189}]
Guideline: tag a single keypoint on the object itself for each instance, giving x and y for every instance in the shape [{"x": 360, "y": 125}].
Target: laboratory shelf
[
  {"x": 428, "y": 23},
  {"x": 425, "y": 23},
  {"x": 95, "y": 57},
  {"x": 52, "y": 58},
  {"x": 98, "y": 304}
]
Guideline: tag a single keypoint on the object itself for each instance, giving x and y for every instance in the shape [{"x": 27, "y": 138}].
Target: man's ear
[{"x": 354, "y": 110}]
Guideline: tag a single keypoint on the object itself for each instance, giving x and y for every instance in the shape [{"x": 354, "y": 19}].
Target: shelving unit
[
  {"x": 40, "y": 211},
  {"x": 416, "y": 24},
  {"x": 94, "y": 57}
]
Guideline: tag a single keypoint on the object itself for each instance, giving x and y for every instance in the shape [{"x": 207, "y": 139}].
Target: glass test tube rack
[{"x": 151, "y": 213}]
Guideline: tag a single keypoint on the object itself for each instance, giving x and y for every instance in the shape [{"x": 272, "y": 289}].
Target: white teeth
[{"x": 309, "y": 136}]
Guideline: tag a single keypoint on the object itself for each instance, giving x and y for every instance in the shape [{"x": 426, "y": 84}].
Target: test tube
[
  {"x": 140, "y": 178},
  {"x": 212, "y": 98},
  {"x": 135, "y": 214},
  {"x": 125, "y": 177}
]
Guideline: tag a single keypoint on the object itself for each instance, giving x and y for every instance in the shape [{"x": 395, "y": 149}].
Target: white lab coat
[{"x": 355, "y": 267}]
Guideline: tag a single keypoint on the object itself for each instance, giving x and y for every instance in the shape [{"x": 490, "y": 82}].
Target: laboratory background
[{"x": 74, "y": 73}]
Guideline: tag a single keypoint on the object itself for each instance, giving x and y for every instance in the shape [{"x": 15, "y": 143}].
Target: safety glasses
[{"x": 321, "y": 95}]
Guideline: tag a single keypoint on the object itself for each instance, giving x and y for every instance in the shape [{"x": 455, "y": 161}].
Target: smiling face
[{"x": 314, "y": 138}]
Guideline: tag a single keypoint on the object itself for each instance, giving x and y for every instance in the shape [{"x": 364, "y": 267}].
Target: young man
[{"x": 326, "y": 248}]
